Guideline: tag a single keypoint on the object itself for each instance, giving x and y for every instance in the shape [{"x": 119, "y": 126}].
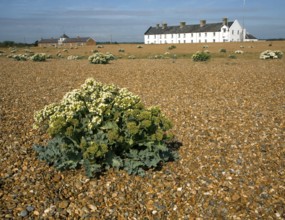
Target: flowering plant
[
  {"x": 201, "y": 56},
  {"x": 39, "y": 57},
  {"x": 71, "y": 57},
  {"x": 19, "y": 57},
  {"x": 100, "y": 58},
  {"x": 103, "y": 126},
  {"x": 269, "y": 54},
  {"x": 239, "y": 52}
]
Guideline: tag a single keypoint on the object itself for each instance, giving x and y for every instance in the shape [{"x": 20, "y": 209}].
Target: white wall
[{"x": 234, "y": 33}]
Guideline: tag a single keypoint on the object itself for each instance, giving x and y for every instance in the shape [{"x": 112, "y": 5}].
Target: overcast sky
[{"x": 127, "y": 20}]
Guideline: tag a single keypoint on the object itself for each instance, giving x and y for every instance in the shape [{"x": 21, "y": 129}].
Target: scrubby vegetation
[
  {"x": 171, "y": 47},
  {"x": 200, "y": 56},
  {"x": 102, "y": 126},
  {"x": 269, "y": 54},
  {"x": 39, "y": 57},
  {"x": 100, "y": 58}
]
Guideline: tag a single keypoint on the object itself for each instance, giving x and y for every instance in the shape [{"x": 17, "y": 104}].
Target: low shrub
[
  {"x": 269, "y": 54},
  {"x": 200, "y": 56},
  {"x": 239, "y": 52},
  {"x": 71, "y": 57},
  {"x": 121, "y": 50},
  {"x": 103, "y": 126},
  {"x": 232, "y": 56},
  {"x": 100, "y": 58},
  {"x": 39, "y": 57},
  {"x": 222, "y": 50},
  {"x": 171, "y": 47},
  {"x": 139, "y": 46},
  {"x": 20, "y": 57},
  {"x": 132, "y": 57}
]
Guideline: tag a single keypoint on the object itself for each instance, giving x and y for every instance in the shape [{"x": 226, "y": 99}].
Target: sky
[{"x": 127, "y": 20}]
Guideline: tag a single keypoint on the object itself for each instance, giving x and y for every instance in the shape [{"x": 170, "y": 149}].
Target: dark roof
[
  {"x": 250, "y": 36},
  {"x": 64, "y": 36},
  {"x": 214, "y": 27},
  {"x": 49, "y": 41},
  {"x": 76, "y": 40}
]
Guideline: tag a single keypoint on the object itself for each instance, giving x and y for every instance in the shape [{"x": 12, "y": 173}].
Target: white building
[{"x": 198, "y": 33}]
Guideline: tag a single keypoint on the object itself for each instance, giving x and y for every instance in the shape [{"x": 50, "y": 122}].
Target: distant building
[
  {"x": 64, "y": 40},
  {"x": 198, "y": 33}
]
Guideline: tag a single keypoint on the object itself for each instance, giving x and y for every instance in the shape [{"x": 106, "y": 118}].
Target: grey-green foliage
[
  {"x": 201, "y": 56},
  {"x": 39, "y": 57},
  {"x": 20, "y": 57},
  {"x": 102, "y": 126},
  {"x": 100, "y": 58}
]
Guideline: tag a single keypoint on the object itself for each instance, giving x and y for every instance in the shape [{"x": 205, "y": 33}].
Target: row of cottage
[{"x": 225, "y": 31}]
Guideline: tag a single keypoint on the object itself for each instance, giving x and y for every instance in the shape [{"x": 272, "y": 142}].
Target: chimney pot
[
  {"x": 164, "y": 25},
  {"x": 182, "y": 24},
  {"x": 225, "y": 21},
  {"x": 202, "y": 23}
]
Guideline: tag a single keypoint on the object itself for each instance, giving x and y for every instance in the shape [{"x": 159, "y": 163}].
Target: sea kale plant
[
  {"x": 201, "y": 56},
  {"x": 269, "y": 54},
  {"x": 100, "y": 58},
  {"x": 39, "y": 57},
  {"x": 103, "y": 126}
]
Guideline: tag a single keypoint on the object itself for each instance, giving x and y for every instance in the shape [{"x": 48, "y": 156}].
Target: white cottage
[{"x": 198, "y": 33}]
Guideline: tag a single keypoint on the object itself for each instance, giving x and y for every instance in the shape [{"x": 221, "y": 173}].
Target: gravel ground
[{"x": 229, "y": 116}]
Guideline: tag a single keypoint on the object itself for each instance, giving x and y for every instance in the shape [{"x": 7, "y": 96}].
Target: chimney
[
  {"x": 157, "y": 26},
  {"x": 202, "y": 23},
  {"x": 182, "y": 24},
  {"x": 164, "y": 25},
  {"x": 225, "y": 21}
]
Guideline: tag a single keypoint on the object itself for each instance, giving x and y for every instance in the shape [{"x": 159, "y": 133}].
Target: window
[
  {"x": 179, "y": 35},
  {"x": 238, "y": 32},
  {"x": 184, "y": 41},
  {"x": 199, "y": 34},
  {"x": 205, "y": 34},
  {"x": 184, "y": 35},
  {"x": 199, "y": 41},
  {"x": 171, "y": 35},
  {"x": 192, "y": 35},
  {"x": 191, "y": 41},
  {"x": 165, "y": 36},
  {"x": 224, "y": 30},
  {"x": 206, "y": 41},
  {"x": 214, "y": 34},
  {"x": 233, "y": 31},
  {"x": 214, "y": 40}
]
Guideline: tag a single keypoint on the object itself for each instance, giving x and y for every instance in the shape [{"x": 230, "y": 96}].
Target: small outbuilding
[{"x": 64, "y": 40}]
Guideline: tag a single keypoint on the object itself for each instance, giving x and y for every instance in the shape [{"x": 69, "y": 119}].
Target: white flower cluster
[
  {"x": 71, "y": 57},
  {"x": 39, "y": 57},
  {"x": 89, "y": 105},
  {"x": 239, "y": 52},
  {"x": 19, "y": 57},
  {"x": 100, "y": 58},
  {"x": 269, "y": 54}
]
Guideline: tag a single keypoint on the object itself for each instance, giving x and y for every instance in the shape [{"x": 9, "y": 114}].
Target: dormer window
[{"x": 224, "y": 30}]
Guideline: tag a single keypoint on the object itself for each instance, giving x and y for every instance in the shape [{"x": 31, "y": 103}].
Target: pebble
[
  {"x": 23, "y": 213},
  {"x": 30, "y": 208}
]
